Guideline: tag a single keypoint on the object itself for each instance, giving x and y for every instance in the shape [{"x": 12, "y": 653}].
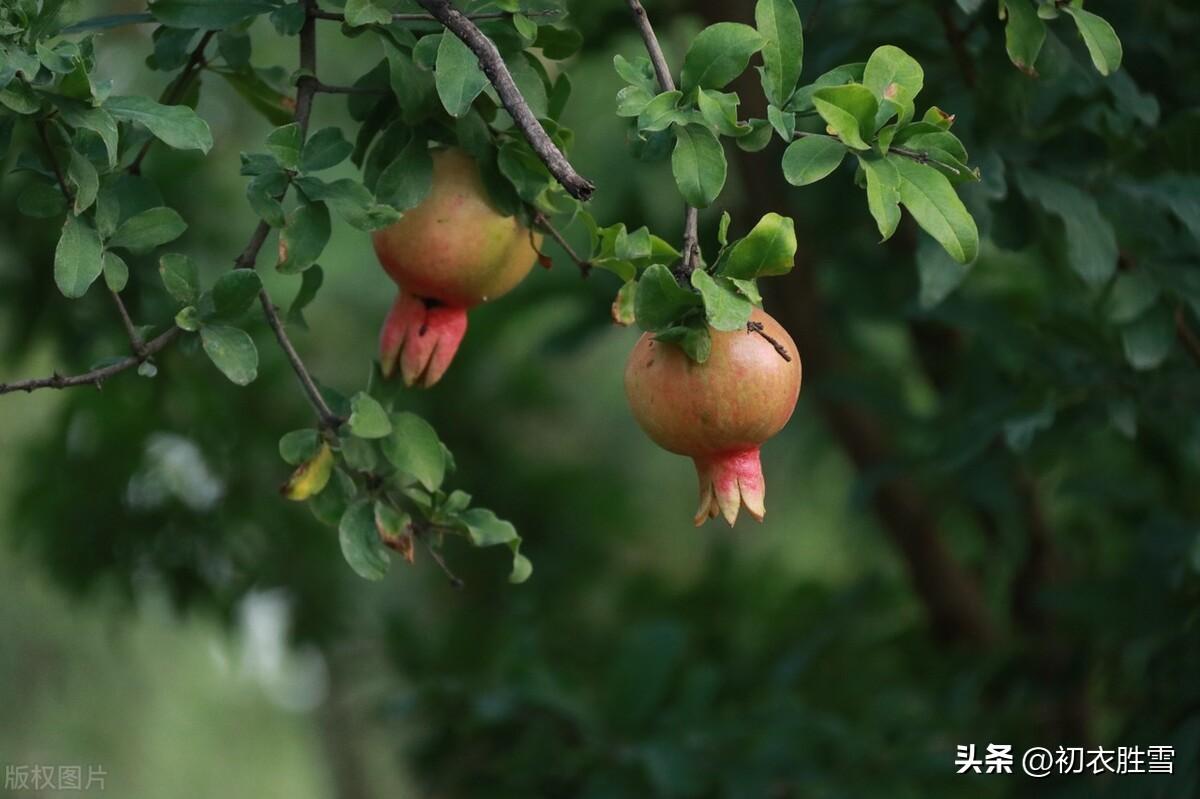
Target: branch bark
[
  {"x": 691, "y": 216},
  {"x": 175, "y": 91},
  {"x": 501, "y": 79},
  {"x": 95, "y": 377},
  {"x": 483, "y": 15}
]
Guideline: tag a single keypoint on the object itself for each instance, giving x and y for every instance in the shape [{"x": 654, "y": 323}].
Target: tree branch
[
  {"x": 501, "y": 79},
  {"x": 325, "y": 88},
  {"x": 542, "y": 221},
  {"x": 306, "y": 89},
  {"x": 134, "y": 339},
  {"x": 484, "y": 15},
  {"x": 913, "y": 155},
  {"x": 96, "y": 376},
  {"x": 1187, "y": 336},
  {"x": 956, "y": 38},
  {"x": 691, "y": 216},
  {"x": 175, "y": 91}
]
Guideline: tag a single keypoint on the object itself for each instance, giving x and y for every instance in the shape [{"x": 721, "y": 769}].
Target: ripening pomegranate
[
  {"x": 718, "y": 412},
  {"x": 448, "y": 254}
]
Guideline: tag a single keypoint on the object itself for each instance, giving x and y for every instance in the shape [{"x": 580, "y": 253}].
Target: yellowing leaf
[{"x": 311, "y": 476}]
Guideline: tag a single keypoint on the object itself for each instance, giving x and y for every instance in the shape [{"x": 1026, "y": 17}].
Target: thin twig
[
  {"x": 328, "y": 417},
  {"x": 139, "y": 347},
  {"x": 957, "y": 40},
  {"x": 757, "y": 327},
  {"x": 175, "y": 91},
  {"x": 134, "y": 339},
  {"x": 501, "y": 79},
  {"x": 325, "y": 88},
  {"x": 95, "y": 377},
  {"x": 542, "y": 221},
  {"x": 306, "y": 88},
  {"x": 653, "y": 48},
  {"x": 485, "y": 15},
  {"x": 1187, "y": 336},
  {"x": 691, "y": 239},
  {"x": 422, "y": 535},
  {"x": 913, "y": 155}
]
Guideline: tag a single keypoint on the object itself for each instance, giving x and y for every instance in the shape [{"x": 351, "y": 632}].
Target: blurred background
[{"x": 984, "y": 517}]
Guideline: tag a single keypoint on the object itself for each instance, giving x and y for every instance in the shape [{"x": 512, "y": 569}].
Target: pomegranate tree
[
  {"x": 718, "y": 412},
  {"x": 448, "y": 254}
]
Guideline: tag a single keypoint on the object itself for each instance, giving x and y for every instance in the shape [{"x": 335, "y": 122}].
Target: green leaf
[
  {"x": 1024, "y": 34},
  {"x": 850, "y": 111},
  {"x": 718, "y": 54},
  {"x": 558, "y": 43},
  {"x": 232, "y": 351},
  {"x": 757, "y": 137},
  {"x": 811, "y": 158},
  {"x": 234, "y": 292},
  {"x": 324, "y": 149},
  {"x": 660, "y": 301},
  {"x": 42, "y": 201},
  {"x": 116, "y": 272},
  {"x": 693, "y": 338},
  {"x": 1102, "y": 43},
  {"x": 661, "y": 112},
  {"x": 408, "y": 179},
  {"x": 724, "y": 307},
  {"x": 719, "y": 110},
  {"x": 698, "y": 164},
  {"x": 1147, "y": 342},
  {"x": 458, "y": 77},
  {"x": 930, "y": 198},
  {"x": 108, "y": 211},
  {"x": 78, "y": 258},
  {"x": 310, "y": 284},
  {"x": 305, "y": 236},
  {"x": 632, "y": 100},
  {"x": 149, "y": 229},
  {"x": 299, "y": 446},
  {"x": 261, "y": 95},
  {"x": 83, "y": 176},
  {"x": 485, "y": 529},
  {"x": 883, "y": 193},
  {"x": 768, "y": 249},
  {"x": 350, "y": 200},
  {"x": 361, "y": 545},
  {"x": 368, "y": 419},
  {"x": 96, "y": 120},
  {"x": 366, "y": 12},
  {"x": 207, "y": 14},
  {"x": 413, "y": 448},
  {"x": 176, "y": 126},
  {"x": 623, "y": 306},
  {"x": 189, "y": 319},
  {"x": 892, "y": 74},
  {"x": 638, "y": 72},
  {"x": 778, "y": 22},
  {"x": 1091, "y": 243},
  {"x": 939, "y": 274},
  {"x": 180, "y": 277},
  {"x": 284, "y": 143},
  {"x": 783, "y": 122},
  {"x": 1132, "y": 294}
]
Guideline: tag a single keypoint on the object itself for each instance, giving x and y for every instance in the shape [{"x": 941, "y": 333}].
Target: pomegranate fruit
[
  {"x": 718, "y": 412},
  {"x": 450, "y": 253}
]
